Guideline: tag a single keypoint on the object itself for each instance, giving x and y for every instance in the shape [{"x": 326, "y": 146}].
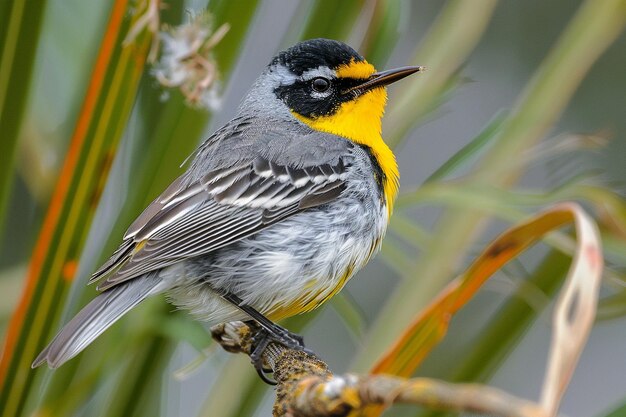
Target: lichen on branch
[{"x": 306, "y": 387}]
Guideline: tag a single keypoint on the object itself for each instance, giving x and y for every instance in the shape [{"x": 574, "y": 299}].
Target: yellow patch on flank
[
  {"x": 310, "y": 284},
  {"x": 355, "y": 69},
  {"x": 342, "y": 281},
  {"x": 310, "y": 299},
  {"x": 360, "y": 120}
]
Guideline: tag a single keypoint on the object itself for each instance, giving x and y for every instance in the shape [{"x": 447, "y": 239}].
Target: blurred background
[{"x": 523, "y": 105}]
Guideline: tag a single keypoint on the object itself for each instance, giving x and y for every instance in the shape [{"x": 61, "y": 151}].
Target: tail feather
[{"x": 95, "y": 318}]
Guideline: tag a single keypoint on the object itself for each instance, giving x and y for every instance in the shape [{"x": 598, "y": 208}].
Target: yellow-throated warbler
[{"x": 279, "y": 208}]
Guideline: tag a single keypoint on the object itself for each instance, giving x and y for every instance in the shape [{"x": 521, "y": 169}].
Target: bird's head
[{"x": 330, "y": 87}]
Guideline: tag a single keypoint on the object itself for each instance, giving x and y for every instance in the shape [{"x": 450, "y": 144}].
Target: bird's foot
[
  {"x": 263, "y": 337},
  {"x": 234, "y": 336}
]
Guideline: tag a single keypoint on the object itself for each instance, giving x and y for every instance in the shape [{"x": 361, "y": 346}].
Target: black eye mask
[{"x": 301, "y": 97}]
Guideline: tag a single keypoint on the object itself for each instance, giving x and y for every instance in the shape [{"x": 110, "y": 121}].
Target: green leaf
[
  {"x": 594, "y": 27},
  {"x": 396, "y": 257},
  {"x": 499, "y": 337},
  {"x": 179, "y": 327},
  {"x": 408, "y": 230},
  {"x": 619, "y": 411},
  {"x": 449, "y": 41},
  {"x": 20, "y": 27},
  {"x": 383, "y": 32},
  {"x": 469, "y": 151},
  {"x": 612, "y": 307},
  {"x": 97, "y": 133},
  {"x": 350, "y": 313},
  {"x": 331, "y": 19},
  {"x": 141, "y": 382}
]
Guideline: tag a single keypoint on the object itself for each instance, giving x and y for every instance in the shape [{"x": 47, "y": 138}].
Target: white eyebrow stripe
[
  {"x": 280, "y": 75},
  {"x": 318, "y": 72}
]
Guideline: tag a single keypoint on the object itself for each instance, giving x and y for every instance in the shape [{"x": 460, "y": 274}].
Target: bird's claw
[{"x": 263, "y": 338}]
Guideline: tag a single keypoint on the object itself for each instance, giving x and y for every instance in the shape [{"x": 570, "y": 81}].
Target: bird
[{"x": 276, "y": 211}]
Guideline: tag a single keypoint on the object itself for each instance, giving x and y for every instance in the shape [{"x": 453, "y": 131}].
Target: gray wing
[{"x": 193, "y": 218}]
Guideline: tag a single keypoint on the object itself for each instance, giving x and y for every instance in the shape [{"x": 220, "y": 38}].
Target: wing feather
[
  {"x": 155, "y": 207},
  {"x": 169, "y": 215},
  {"x": 197, "y": 215}
]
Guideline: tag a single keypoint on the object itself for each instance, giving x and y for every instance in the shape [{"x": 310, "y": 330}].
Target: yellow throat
[{"x": 360, "y": 120}]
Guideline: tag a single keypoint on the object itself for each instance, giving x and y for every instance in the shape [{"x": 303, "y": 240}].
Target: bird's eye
[{"x": 320, "y": 84}]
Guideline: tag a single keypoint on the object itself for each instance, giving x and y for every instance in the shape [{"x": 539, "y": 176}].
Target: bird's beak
[{"x": 381, "y": 79}]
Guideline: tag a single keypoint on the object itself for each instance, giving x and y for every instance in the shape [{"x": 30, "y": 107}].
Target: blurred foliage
[
  {"x": 130, "y": 137},
  {"x": 20, "y": 26}
]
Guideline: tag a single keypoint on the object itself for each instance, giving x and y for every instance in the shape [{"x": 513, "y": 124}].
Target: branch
[{"x": 307, "y": 388}]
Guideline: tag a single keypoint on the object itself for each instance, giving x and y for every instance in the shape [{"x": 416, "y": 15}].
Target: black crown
[{"x": 315, "y": 53}]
